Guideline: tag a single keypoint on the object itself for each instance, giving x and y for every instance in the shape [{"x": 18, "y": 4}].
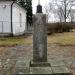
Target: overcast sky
[
  {"x": 43, "y": 3},
  {"x": 35, "y": 2}
]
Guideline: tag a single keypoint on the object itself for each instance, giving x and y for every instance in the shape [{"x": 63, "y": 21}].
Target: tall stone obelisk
[
  {"x": 39, "y": 36},
  {"x": 39, "y": 39}
]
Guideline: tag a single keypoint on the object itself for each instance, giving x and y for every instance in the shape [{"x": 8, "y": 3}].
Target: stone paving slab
[
  {"x": 56, "y": 63},
  {"x": 6, "y": 70},
  {"x": 21, "y": 71},
  {"x": 40, "y": 70},
  {"x": 60, "y": 70},
  {"x": 20, "y": 64}
]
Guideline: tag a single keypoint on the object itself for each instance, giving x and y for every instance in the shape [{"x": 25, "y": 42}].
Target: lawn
[
  {"x": 66, "y": 38},
  {"x": 12, "y": 41}
]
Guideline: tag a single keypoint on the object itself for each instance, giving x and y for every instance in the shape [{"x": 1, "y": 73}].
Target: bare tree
[
  {"x": 64, "y": 8},
  {"x": 48, "y": 9},
  {"x": 60, "y": 14}
]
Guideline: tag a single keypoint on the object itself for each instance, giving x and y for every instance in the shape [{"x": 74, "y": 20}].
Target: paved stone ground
[{"x": 13, "y": 55}]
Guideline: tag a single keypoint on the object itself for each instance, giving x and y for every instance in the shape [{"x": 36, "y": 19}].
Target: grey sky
[{"x": 45, "y": 3}]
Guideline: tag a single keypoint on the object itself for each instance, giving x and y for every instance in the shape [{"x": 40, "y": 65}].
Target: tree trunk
[{"x": 65, "y": 10}]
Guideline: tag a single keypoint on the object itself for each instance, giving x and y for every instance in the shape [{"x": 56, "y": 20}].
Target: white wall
[
  {"x": 17, "y": 29},
  {"x": 5, "y": 17}
]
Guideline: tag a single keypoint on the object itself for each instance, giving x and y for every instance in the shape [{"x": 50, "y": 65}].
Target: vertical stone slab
[{"x": 39, "y": 38}]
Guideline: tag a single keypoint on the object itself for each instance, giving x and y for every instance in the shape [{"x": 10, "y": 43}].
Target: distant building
[{"x": 12, "y": 18}]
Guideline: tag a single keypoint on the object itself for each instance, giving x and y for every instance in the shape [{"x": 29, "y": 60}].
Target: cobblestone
[{"x": 17, "y": 54}]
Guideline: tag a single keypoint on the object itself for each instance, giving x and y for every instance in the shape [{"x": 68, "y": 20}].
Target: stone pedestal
[
  {"x": 39, "y": 41},
  {"x": 39, "y": 38}
]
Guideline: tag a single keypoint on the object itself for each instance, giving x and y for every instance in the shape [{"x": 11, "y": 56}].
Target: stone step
[
  {"x": 39, "y": 64},
  {"x": 43, "y": 71}
]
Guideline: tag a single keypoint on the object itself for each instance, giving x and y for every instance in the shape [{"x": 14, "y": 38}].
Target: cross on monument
[{"x": 38, "y": 1}]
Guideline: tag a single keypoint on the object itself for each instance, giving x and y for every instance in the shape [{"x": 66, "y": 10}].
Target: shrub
[{"x": 59, "y": 27}]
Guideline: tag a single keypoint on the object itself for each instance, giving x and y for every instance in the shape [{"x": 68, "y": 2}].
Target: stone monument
[
  {"x": 39, "y": 38},
  {"x": 39, "y": 64}
]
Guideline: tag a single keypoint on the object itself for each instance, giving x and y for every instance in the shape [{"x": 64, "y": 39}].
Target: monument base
[
  {"x": 39, "y": 64},
  {"x": 40, "y": 71},
  {"x": 48, "y": 68},
  {"x": 49, "y": 71}
]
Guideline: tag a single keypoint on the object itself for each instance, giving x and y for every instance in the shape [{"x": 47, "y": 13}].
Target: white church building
[{"x": 12, "y": 18}]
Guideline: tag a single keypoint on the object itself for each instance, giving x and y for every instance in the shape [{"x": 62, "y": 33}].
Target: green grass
[
  {"x": 12, "y": 41},
  {"x": 66, "y": 38}
]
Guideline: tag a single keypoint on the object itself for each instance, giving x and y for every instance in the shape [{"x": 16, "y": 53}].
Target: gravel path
[{"x": 11, "y": 55}]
